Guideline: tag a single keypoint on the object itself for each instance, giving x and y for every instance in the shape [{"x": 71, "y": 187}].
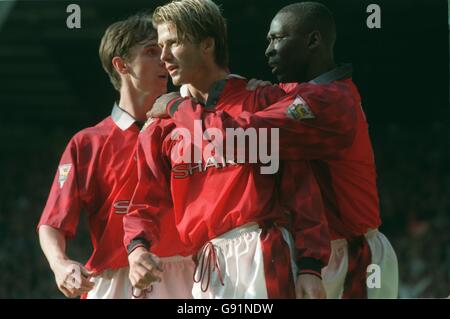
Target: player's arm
[
  {"x": 159, "y": 108},
  {"x": 72, "y": 278},
  {"x": 300, "y": 196},
  {"x": 140, "y": 260},
  {"x": 151, "y": 198},
  {"x": 313, "y": 122},
  {"x": 59, "y": 221}
]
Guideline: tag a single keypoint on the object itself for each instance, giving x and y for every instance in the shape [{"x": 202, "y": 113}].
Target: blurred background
[{"x": 52, "y": 85}]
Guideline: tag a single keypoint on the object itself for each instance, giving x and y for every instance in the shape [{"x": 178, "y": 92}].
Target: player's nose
[
  {"x": 165, "y": 54},
  {"x": 270, "y": 50}
]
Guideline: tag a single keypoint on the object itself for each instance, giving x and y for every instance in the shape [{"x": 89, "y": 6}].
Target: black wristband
[
  {"x": 139, "y": 241},
  {"x": 309, "y": 263}
]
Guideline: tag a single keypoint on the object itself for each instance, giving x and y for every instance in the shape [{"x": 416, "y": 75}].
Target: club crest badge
[
  {"x": 300, "y": 110},
  {"x": 64, "y": 171}
]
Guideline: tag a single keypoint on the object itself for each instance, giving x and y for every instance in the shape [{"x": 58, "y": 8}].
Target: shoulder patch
[
  {"x": 300, "y": 110},
  {"x": 64, "y": 171}
]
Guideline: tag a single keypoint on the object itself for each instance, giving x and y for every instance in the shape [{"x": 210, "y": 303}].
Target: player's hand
[
  {"x": 72, "y": 278},
  {"x": 144, "y": 268},
  {"x": 309, "y": 286},
  {"x": 159, "y": 109},
  {"x": 253, "y": 84}
]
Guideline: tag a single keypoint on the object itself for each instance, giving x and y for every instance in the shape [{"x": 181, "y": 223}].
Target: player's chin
[
  {"x": 282, "y": 75},
  {"x": 177, "y": 80},
  {"x": 282, "y": 78},
  {"x": 153, "y": 89}
]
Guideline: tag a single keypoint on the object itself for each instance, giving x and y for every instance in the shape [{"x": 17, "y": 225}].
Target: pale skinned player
[
  {"x": 224, "y": 204},
  {"x": 92, "y": 170}
]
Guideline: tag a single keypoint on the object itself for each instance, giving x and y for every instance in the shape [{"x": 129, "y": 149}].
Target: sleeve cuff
[
  {"x": 309, "y": 265},
  {"x": 136, "y": 243},
  {"x": 173, "y": 105}
]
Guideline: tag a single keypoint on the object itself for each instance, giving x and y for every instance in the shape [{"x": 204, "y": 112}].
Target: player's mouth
[
  {"x": 273, "y": 66},
  {"x": 172, "y": 68},
  {"x": 164, "y": 76}
]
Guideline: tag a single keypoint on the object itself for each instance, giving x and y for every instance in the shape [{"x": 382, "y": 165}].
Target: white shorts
[
  {"x": 240, "y": 258},
  {"x": 176, "y": 279},
  {"x": 176, "y": 282},
  {"x": 383, "y": 255},
  {"x": 111, "y": 284}
]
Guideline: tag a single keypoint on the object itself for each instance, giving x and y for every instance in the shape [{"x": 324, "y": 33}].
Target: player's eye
[
  {"x": 275, "y": 38},
  {"x": 152, "y": 51}
]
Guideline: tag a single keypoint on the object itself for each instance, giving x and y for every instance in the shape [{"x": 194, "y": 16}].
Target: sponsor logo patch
[
  {"x": 300, "y": 110},
  {"x": 64, "y": 171}
]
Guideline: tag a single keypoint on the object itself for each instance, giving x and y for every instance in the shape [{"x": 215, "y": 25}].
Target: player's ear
[
  {"x": 120, "y": 65},
  {"x": 314, "y": 39},
  {"x": 208, "y": 45}
]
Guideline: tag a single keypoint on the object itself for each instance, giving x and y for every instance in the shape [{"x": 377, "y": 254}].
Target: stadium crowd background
[{"x": 402, "y": 75}]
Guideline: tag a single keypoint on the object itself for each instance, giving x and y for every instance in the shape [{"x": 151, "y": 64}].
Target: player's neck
[
  {"x": 319, "y": 67},
  {"x": 200, "y": 89},
  {"x": 135, "y": 103}
]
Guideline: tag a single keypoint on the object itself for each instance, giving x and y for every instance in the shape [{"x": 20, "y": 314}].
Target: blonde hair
[
  {"x": 121, "y": 38},
  {"x": 196, "y": 20}
]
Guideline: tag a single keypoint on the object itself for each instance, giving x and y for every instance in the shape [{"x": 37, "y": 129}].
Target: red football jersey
[
  {"x": 321, "y": 121},
  {"x": 211, "y": 198},
  {"x": 168, "y": 243},
  {"x": 90, "y": 173}
]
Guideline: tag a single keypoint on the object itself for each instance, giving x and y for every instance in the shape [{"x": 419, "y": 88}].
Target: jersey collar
[
  {"x": 215, "y": 91},
  {"x": 340, "y": 72},
  {"x": 121, "y": 118}
]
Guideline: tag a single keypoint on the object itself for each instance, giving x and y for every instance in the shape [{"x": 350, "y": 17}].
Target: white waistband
[
  {"x": 235, "y": 232},
  {"x": 175, "y": 259},
  {"x": 109, "y": 273},
  {"x": 337, "y": 243}
]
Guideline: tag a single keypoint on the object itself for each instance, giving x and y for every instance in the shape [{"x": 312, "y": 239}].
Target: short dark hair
[
  {"x": 312, "y": 16},
  {"x": 121, "y": 38}
]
